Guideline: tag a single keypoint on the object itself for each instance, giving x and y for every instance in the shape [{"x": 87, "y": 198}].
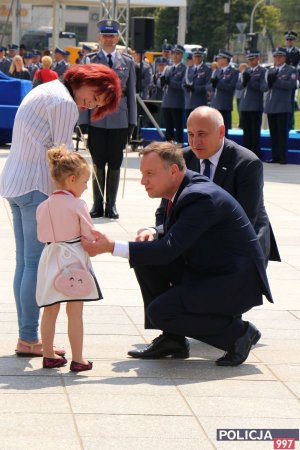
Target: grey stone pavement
[{"x": 131, "y": 404}]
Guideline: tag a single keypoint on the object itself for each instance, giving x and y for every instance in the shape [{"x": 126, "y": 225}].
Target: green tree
[{"x": 166, "y": 23}]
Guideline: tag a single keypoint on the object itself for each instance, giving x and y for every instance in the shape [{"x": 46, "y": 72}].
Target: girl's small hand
[
  {"x": 96, "y": 235},
  {"x": 102, "y": 244}
]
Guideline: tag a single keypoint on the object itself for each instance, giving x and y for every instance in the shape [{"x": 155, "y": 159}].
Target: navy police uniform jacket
[
  {"x": 60, "y": 67},
  {"x": 252, "y": 94},
  {"x": 173, "y": 96},
  {"x": 278, "y": 98},
  {"x": 126, "y": 114},
  {"x": 222, "y": 98},
  {"x": 293, "y": 56},
  {"x": 196, "y": 85},
  {"x": 222, "y": 262},
  {"x": 5, "y": 65}
]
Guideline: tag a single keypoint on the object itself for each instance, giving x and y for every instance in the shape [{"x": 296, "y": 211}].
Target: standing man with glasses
[{"x": 108, "y": 137}]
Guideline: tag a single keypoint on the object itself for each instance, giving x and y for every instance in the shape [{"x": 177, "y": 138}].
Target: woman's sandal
[
  {"x": 26, "y": 349},
  {"x": 79, "y": 367},
  {"x": 53, "y": 363}
]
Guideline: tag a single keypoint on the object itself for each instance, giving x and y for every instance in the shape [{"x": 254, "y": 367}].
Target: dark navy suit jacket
[
  {"x": 222, "y": 261},
  {"x": 240, "y": 172}
]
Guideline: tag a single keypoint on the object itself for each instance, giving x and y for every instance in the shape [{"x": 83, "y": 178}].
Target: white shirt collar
[
  {"x": 280, "y": 67},
  {"x": 113, "y": 54},
  {"x": 214, "y": 159}
]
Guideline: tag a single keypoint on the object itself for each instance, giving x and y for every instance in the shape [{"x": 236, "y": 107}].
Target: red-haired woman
[{"x": 46, "y": 118}]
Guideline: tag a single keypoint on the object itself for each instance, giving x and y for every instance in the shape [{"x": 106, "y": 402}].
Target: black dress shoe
[
  {"x": 282, "y": 161},
  {"x": 272, "y": 161},
  {"x": 161, "y": 347},
  {"x": 97, "y": 212},
  {"x": 111, "y": 212},
  {"x": 241, "y": 348}
]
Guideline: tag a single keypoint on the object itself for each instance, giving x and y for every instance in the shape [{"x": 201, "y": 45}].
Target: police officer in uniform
[
  {"x": 108, "y": 136},
  {"x": 293, "y": 52},
  {"x": 224, "y": 83},
  {"x": 196, "y": 83},
  {"x": 4, "y": 62},
  {"x": 37, "y": 56},
  {"x": 292, "y": 59},
  {"x": 166, "y": 51},
  {"x": 144, "y": 76},
  {"x": 281, "y": 81},
  {"x": 13, "y": 50},
  {"x": 32, "y": 68},
  {"x": 173, "y": 97},
  {"x": 60, "y": 65},
  {"x": 253, "y": 85},
  {"x": 156, "y": 90}
]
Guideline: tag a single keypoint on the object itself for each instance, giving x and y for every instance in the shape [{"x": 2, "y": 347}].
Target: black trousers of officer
[
  {"x": 164, "y": 310},
  {"x": 174, "y": 120},
  {"x": 227, "y": 120},
  {"x": 107, "y": 145},
  {"x": 279, "y": 134},
  {"x": 251, "y": 124}
]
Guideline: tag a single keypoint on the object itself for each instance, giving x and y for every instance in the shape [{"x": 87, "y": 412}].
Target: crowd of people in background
[{"x": 178, "y": 82}]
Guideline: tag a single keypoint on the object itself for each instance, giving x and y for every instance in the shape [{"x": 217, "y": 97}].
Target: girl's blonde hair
[{"x": 63, "y": 163}]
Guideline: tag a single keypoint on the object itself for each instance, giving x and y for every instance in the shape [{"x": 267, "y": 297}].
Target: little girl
[{"x": 61, "y": 221}]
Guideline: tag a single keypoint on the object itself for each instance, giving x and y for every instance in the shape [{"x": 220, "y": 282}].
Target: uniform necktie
[
  {"x": 110, "y": 63},
  {"x": 206, "y": 171},
  {"x": 169, "y": 207}
]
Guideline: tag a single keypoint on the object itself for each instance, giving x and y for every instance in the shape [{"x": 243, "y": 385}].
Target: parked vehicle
[{"x": 42, "y": 38}]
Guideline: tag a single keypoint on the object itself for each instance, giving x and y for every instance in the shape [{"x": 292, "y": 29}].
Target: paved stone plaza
[{"x": 129, "y": 404}]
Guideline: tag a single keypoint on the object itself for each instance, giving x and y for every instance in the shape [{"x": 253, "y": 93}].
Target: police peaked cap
[
  {"x": 108, "y": 26},
  {"x": 279, "y": 51},
  {"x": 28, "y": 55},
  {"x": 198, "y": 51},
  {"x": 167, "y": 47},
  {"x": 178, "y": 48},
  {"x": 189, "y": 56},
  {"x": 13, "y": 47},
  {"x": 224, "y": 54},
  {"x": 251, "y": 54},
  {"x": 161, "y": 60},
  {"x": 3, "y": 49},
  {"x": 290, "y": 35},
  {"x": 87, "y": 48},
  {"x": 61, "y": 51}
]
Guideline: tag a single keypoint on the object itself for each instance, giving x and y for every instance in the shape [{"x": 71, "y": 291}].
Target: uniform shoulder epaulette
[
  {"x": 91, "y": 55},
  {"x": 127, "y": 55}
]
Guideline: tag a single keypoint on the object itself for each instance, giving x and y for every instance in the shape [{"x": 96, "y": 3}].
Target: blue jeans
[{"x": 28, "y": 252}]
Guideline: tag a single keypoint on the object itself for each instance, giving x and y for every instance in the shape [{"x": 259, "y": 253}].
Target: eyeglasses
[{"x": 289, "y": 39}]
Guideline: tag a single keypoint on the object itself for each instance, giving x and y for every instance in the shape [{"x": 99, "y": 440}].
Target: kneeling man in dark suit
[{"x": 205, "y": 270}]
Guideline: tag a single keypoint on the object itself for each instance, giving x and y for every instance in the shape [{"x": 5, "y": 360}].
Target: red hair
[{"x": 103, "y": 78}]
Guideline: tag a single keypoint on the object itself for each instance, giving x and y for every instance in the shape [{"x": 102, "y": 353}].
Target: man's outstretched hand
[{"x": 100, "y": 244}]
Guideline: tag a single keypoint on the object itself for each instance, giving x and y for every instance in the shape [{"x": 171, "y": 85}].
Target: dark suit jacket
[
  {"x": 222, "y": 261},
  {"x": 240, "y": 172}
]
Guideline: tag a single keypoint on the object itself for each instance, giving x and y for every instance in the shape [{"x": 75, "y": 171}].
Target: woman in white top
[{"x": 46, "y": 118}]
